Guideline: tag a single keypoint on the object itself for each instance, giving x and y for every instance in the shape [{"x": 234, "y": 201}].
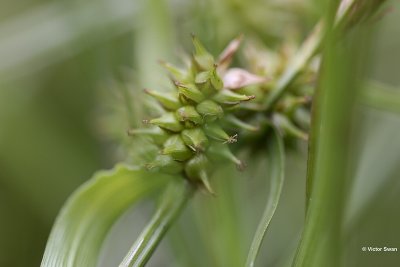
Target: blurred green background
[{"x": 71, "y": 73}]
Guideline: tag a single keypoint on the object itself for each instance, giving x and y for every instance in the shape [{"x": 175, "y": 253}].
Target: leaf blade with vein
[{"x": 89, "y": 213}]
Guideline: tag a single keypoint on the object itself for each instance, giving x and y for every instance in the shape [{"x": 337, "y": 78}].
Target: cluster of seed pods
[
  {"x": 206, "y": 95},
  {"x": 190, "y": 132}
]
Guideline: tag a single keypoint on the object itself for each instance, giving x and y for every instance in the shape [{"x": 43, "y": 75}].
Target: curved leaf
[
  {"x": 89, "y": 213},
  {"x": 276, "y": 173}
]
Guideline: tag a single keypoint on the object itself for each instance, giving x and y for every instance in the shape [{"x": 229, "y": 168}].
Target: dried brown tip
[
  {"x": 241, "y": 166},
  {"x": 232, "y": 139},
  {"x": 162, "y": 62},
  {"x": 227, "y": 54},
  {"x": 177, "y": 83}
]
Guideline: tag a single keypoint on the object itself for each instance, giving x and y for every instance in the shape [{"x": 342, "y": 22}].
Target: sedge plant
[{"x": 212, "y": 112}]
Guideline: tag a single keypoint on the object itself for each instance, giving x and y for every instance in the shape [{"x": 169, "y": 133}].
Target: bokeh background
[{"x": 71, "y": 75}]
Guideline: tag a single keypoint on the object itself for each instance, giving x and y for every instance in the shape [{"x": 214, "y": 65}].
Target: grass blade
[
  {"x": 87, "y": 216},
  {"x": 276, "y": 174},
  {"x": 327, "y": 175},
  {"x": 171, "y": 204}
]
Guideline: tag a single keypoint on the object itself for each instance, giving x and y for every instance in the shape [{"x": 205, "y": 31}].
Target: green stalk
[
  {"x": 171, "y": 205},
  {"x": 327, "y": 169},
  {"x": 276, "y": 157}
]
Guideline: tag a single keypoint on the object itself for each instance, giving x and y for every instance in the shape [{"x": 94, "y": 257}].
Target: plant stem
[
  {"x": 171, "y": 205},
  {"x": 327, "y": 173},
  {"x": 276, "y": 157}
]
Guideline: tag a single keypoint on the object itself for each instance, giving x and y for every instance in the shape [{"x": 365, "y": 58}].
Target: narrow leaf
[
  {"x": 328, "y": 175},
  {"x": 171, "y": 205},
  {"x": 276, "y": 173},
  {"x": 87, "y": 216}
]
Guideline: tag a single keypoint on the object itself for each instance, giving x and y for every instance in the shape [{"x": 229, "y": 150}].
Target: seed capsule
[
  {"x": 176, "y": 148},
  {"x": 210, "y": 110},
  {"x": 168, "y": 121},
  {"x": 169, "y": 100},
  {"x": 203, "y": 59},
  {"x": 195, "y": 139},
  {"x": 189, "y": 113},
  {"x": 202, "y": 81},
  {"x": 207, "y": 80},
  {"x": 215, "y": 132},
  {"x": 228, "y": 97},
  {"x": 215, "y": 79},
  {"x": 222, "y": 151},
  {"x": 189, "y": 91},
  {"x": 166, "y": 164},
  {"x": 196, "y": 170},
  {"x": 156, "y": 134}
]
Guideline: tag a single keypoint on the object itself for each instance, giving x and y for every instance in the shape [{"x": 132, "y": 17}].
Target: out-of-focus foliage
[
  {"x": 88, "y": 215},
  {"x": 71, "y": 75}
]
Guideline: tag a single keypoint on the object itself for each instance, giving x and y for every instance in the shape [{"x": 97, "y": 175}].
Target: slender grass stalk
[
  {"x": 276, "y": 157},
  {"x": 327, "y": 174},
  {"x": 171, "y": 205}
]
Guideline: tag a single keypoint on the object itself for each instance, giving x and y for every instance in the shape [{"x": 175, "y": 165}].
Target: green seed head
[
  {"x": 193, "y": 116},
  {"x": 207, "y": 97}
]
